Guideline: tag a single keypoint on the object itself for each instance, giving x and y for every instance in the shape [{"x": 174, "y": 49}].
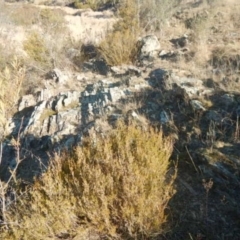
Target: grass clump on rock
[{"x": 114, "y": 184}]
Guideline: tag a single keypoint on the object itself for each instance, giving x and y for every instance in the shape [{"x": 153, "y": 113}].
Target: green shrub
[{"x": 114, "y": 184}]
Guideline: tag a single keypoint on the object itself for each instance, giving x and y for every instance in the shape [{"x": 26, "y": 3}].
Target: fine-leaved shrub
[
  {"x": 36, "y": 49},
  {"x": 120, "y": 45},
  {"x": 115, "y": 184}
]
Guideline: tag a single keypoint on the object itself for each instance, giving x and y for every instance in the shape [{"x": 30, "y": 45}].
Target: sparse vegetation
[{"x": 116, "y": 184}]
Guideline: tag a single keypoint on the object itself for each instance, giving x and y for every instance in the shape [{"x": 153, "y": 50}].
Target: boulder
[{"x": 149, "y": 46}]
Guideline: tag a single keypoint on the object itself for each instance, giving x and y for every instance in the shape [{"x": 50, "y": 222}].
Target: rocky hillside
[{"x": 184, "y": 79}]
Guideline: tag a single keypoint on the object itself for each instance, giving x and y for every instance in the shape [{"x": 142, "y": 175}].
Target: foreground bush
[{"x": 115, "y": 184}]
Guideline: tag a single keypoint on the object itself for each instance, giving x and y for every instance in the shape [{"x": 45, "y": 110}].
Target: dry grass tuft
[
  {"x": 120, "y": 45},
  {"x": 115, "y": 184}
]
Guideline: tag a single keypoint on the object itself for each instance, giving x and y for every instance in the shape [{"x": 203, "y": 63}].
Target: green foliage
[{"x": 115, "y": 184}]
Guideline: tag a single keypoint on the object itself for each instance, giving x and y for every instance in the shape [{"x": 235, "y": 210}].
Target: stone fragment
[
  {"x": 149, "y": 46},
  {"x": 164, "y": 118},
  {"x": 197, "y": 105}
]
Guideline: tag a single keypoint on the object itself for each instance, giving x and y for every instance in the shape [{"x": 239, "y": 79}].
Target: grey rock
[
  {"x": 193, "y": 87},
  {"x": 163, "y": 53},
  {"x": 59, "y": 103},
  {"x": 149, "y": 46},
  {"x": 43, "y": 95},
  {"x": 197, "y": 105},
  {"x": 168, "y": 80},
  {"x": 72, "y": 53},
  {"x": 82, "y": 77},
  {"x": 125, "y": 70},
  {"x": 164, "y": 118}
]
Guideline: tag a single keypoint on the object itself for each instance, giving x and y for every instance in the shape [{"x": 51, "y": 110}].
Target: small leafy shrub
[
  {"x": 120, "y": 45},
  {"x": 115, "y": 184},
  {"x": 36, "y": 49}
]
